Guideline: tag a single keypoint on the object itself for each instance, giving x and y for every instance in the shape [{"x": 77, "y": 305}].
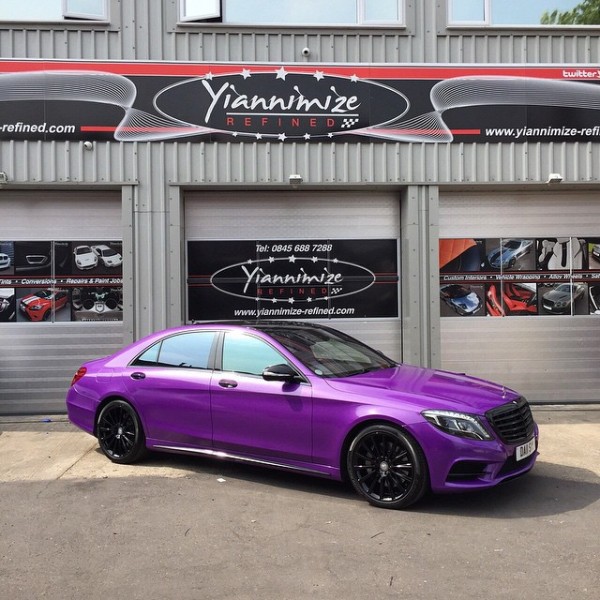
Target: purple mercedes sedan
[{"x": 306, "y": 398}]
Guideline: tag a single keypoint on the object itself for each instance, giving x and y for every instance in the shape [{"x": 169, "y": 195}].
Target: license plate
[{"x": 525, "y": 450}]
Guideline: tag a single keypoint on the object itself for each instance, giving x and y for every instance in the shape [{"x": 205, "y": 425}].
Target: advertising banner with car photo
[
  {"x": 501, "y": 277},
  {"x": 302, "y": 103},
  {"x": 58, "y": 281},
  {"x": 292, "y": 279}
]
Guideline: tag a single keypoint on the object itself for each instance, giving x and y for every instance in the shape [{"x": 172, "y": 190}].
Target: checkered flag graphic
[{"x": 348, "y": 123}]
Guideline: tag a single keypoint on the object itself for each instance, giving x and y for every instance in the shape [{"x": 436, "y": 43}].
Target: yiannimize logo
[
  {"x": 292, "y": 279},
  {"x": 282, "y": 105}
]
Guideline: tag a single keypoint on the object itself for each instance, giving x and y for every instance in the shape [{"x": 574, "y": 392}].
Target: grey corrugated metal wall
[
  {"x": 153, "y": 177},
  {"x": 186, "y": 163},
  {"x": 143, "y": 30}
]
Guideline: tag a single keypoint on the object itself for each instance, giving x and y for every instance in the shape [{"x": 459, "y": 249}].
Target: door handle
[
  {"x": 138, "y": 375},
  {"x": 227, "y": 383}
]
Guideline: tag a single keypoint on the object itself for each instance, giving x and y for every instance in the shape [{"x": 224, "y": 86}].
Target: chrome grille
[{"x": 513, "y": 422}]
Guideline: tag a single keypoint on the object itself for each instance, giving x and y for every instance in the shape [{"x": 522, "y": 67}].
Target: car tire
[
  {"x": 120, "y": 433},
  {"x": 387, "y": 467}
]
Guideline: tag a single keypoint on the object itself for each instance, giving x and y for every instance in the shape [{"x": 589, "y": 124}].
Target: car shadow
[
  {"x": 228, "y": 469},
  {"x": 550, "y": 489}
]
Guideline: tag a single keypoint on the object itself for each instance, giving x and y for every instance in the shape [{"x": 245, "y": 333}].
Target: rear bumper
[{"x": 80, "y": 413}]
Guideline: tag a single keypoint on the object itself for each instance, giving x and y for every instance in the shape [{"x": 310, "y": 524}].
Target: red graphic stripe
[
  {"x": 389, "y": 72},
  {"x": 108, "y": 129},
  {"x": 424, "y": 131}
]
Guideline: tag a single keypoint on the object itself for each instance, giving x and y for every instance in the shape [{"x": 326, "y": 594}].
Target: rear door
[{"x": 170, "y": 382}]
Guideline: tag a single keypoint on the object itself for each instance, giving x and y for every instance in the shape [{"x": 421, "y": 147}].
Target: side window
[
  {"x": 148, "y": 357},
  {"x": 247, "y": 354},
  {"x": 187, "y": 350}
]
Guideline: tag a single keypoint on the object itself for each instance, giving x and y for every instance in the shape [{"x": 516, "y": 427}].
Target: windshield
[
  {"x": 329, "y": 353},
  {"x": 457, "y": 291}
]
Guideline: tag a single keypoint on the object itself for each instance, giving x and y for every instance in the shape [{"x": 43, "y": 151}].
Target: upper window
[
  {"x": 518, "y": 13},
  {"x": 53, "y": 10},
  {"x": 295, "y": 12}
]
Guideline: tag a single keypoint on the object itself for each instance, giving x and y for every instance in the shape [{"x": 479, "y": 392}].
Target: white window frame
[
  {"x": 75, "y": 14},
  {"x": 213, "y": 10}
]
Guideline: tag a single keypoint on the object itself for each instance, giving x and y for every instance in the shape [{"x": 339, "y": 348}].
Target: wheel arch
[
  {"x": 108, "y": 399},
  {"x": 368, "y": 422}
]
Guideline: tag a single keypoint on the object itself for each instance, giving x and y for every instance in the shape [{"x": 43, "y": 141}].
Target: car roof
[{"x": 265, "y": 325}]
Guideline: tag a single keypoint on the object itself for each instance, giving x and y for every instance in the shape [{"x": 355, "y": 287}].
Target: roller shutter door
[
  {"x": 548, "y": 353},
  {"x": 299, "y": 215},
  {"x": 38, "y": 359}
]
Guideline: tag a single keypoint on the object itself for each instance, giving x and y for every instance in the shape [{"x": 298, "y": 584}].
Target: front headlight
[{"x": 456, "y": 423}]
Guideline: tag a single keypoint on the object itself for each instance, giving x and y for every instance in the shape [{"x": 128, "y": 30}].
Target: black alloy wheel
[
  {"x": 120, "y": 433},
  {"x": 387, "y": 467}
]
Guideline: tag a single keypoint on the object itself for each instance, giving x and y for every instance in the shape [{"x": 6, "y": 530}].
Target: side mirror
[{"x": 283, "y": 373}]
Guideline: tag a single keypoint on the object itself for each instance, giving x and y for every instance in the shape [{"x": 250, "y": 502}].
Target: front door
[{"x": 254, "y": 416}]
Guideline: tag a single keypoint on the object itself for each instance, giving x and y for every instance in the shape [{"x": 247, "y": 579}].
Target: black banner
[
  {"x": 54, "y": 100},
  {"x": 292, "y": 279}
]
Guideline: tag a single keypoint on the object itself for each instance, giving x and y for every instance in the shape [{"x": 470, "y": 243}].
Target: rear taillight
[{"x": 80, "y": 373}]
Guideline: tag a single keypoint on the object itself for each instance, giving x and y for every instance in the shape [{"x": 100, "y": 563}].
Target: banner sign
[
  {"x": 145, "y": 101},
  {"x": 61, "y": 281},
  {"x": 292, "y": 279},
  {"x": 506, "y": 277}
]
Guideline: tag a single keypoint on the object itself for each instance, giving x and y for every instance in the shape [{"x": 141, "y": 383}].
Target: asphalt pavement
[{"x": 75, "y": 526}]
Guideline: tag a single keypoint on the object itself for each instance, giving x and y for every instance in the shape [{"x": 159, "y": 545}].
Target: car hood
[
  {"x": 503, "y": 254},
  {"x": 468, "y": 302},
  {"x": 427, "y": 389},
  {"x": 34, "y": 300},
  {"x": 558, "y": 296}
]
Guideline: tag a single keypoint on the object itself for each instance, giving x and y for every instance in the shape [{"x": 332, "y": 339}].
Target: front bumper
[
  {"x": 32, "y": 315},
  {"x": 460, "y": 464}
]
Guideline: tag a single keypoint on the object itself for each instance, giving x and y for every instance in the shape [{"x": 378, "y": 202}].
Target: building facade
[{"x": 422, "y": 175}]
